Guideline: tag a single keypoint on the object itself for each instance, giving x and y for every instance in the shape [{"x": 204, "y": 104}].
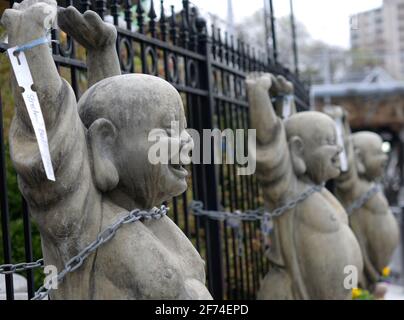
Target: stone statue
[
  {"x": 99, "y": 149},
  {"x": 373, "y": 223},
  {"x": 312, "y": 244}
]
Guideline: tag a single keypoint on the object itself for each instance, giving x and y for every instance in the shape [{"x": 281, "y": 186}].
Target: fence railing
[{"x": 208, "y": 68}]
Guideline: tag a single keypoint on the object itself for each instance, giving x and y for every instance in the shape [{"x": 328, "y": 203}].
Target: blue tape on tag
[{"x": 32, "y": 44}]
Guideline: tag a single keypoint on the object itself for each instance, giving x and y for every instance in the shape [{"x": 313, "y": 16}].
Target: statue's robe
[{"x": 312, "y": 244}]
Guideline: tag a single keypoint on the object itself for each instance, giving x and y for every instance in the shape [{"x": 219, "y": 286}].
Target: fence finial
[
  {"x": 101, "y": 7},
  {"x": 163, "y": 22},
  {"x": 114, "y": 11},
  {"x": 173, "y": 26},
  {"x": 128, "y": 14},
  {"x": 140, "y": 18},
  {"x": 184, "y": 29},
  {"x": 152, "y": 22}
]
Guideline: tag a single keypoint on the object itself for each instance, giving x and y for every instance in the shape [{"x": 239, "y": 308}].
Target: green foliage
[{"x": 360, "y": 294}]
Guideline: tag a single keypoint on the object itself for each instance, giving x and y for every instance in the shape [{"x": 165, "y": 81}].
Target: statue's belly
[
  {"x": 145, "y": 267},
  {"x": 323, "y": 258},
  {"x": 382, "y": 236}
]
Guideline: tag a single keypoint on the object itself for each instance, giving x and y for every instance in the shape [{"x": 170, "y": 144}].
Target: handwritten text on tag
[{"x": 24, "y": 80}]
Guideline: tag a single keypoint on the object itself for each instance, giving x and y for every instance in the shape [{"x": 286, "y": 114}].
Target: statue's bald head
[
  {"x": 364, "y": 140},
  {"x": 120, "y": 114},
  {"x": 130, "y": 100},
  {"x": 311, "y": 126}
]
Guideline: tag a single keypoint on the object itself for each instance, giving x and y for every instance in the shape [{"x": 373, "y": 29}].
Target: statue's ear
[
  {"x": 360, "y": 165},
  {"x": 102, "y": 136},
  {"x": 296, "y": 147}
]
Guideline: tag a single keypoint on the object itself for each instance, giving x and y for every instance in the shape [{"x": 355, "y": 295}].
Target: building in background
[
  {"x": 376, "y": 102},
  {"x": 379, "y": 35}
]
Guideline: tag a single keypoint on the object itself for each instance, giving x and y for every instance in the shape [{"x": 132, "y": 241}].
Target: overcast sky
[{"x": 326, "y": 20}]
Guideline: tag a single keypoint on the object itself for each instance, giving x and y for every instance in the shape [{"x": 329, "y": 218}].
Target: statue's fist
[
  {"x": 284, "y": 86},
  {"x": 335, "y": 112},
  {"x": 258, "y": 79},
  {"x": 30, "y": 14},
  {"x": 88, "y": 28}
]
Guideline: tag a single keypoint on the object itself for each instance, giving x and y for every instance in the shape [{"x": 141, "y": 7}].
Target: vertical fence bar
[
  {"x": 28, "y": 248},
  {"x": 101, "y": 7},
  {"x": 402, "y": 245},
  {"x": 213, "y": 232},
  {"x": 401, "y": 204},
  {"x": 273, "y": 32},
  {"x": 5, "y": 218},
  {"x": 114, "y": 7},
  {"x": 294, "y": 39}
]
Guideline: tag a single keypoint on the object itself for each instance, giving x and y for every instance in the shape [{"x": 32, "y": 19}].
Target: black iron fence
[{"x": 208, "y": 68}]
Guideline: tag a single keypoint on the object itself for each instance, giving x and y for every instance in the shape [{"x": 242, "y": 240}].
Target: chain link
[
  {"x": 13, "y": 268},
  {"x": 361, "y": 201},
  {"x": 77, "y": 261}
]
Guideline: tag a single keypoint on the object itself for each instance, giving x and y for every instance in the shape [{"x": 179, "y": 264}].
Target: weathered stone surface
[
  {"x": 374, "y": 225},
  {"x": 311, "y": 244},
  {"x": 99, "y": 153}
]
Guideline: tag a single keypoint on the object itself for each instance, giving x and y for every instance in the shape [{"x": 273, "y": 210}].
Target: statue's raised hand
[
  {"x": 88, "y": 29},
  {"x": 27, "y": 20},
  {"x": 262, "y": 114},
  {"x": 283, "y": 86},
  {"x": 259, "y": 80}
]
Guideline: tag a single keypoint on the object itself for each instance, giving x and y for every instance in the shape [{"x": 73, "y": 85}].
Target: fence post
[
  {"x": 401, "y": 281},
  {"x": 5, "y": 219},
  {"x": 207, "y": 175}
]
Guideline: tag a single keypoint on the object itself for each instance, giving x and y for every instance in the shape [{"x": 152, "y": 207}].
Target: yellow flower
[
  {"x": 356, "y": 293},
  {"x": 386, "y": 272}
]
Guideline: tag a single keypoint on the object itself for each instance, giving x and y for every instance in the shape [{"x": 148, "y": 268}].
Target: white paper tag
[
  {"x": 24, "y": 80},
  {"x": 287, "y": 106},
  {"x": 340, "y": 140}
]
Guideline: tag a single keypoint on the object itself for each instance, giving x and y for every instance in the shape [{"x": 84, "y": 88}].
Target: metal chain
[
  {"x": 361, "y": 201},
  {"x": 77, "y": 261},
  {"x": 13, "y": 268},
  {"x": 234, "y": 219},
  {"x": 254, "y": 215}
]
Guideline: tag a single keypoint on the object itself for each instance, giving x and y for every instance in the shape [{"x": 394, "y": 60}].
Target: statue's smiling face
[
  {"x": 313, "y": 142},
  {"x": 375, "y": 160},
  {"x": 121, "y": 114},
  {"x": 322, "y": 155},
  {"x": 370, "y": 153},
  {"x": 150, "y": 179}
]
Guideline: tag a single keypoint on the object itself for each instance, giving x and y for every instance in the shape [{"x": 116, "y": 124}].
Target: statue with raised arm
[
  {"x": 369, "y": 214},
  {"x": 311, "y": 244},
  {"x": 99, "y": 150}
]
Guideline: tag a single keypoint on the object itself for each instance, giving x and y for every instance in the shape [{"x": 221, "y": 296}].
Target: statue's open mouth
[
  {"x": 178, "y": 170},
  {"x": 336, "y": 162}
]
